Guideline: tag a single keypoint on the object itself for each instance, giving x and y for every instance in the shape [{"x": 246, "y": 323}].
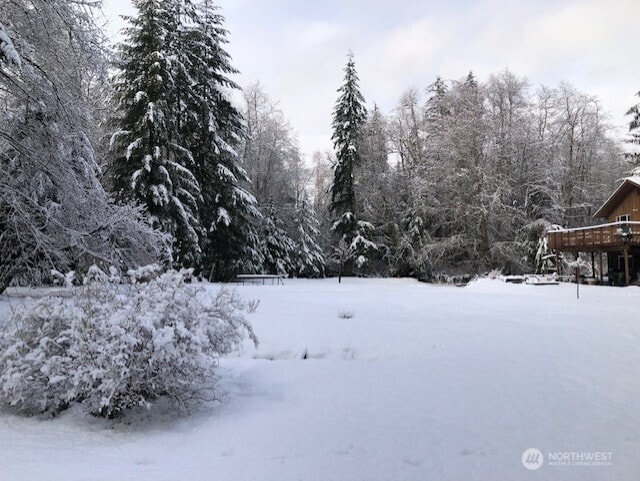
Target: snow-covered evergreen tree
[
  {"x": 355, "y": 248},
  {"x": 349, "y": 117},
  {"x": 309, "y": 256},
  {"x": 152, "y": 163},
  {"x": 278, "y": 249},
  {"x": 214, "y": 129}
]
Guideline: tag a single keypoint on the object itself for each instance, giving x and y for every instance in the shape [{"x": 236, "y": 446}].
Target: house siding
[{"x": 629, "y": 205}]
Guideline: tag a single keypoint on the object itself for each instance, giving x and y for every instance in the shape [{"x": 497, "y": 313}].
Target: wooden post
[
  {"x": 601, "y": 270},
  {"x": 627, "y": 280},
  {"x": 577, "y": 254},
  {"x": 558, "y": 267},
  {"x": 593, "y": 265}
]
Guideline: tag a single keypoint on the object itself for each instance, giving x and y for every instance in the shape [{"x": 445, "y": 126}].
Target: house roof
[{"x": 627, "y": 185}]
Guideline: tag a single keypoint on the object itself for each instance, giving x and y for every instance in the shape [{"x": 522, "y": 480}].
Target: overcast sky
[{"x": 297, "y": 49}]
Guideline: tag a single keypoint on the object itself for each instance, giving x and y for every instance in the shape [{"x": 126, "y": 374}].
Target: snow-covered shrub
[
  {"x": 495, "y": 274},
  {"x": 114, "y": 346},
  {"x": 532, "y": 238}
]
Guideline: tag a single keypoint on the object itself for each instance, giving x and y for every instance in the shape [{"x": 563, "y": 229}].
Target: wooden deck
[{"x": 605, "y": 237}]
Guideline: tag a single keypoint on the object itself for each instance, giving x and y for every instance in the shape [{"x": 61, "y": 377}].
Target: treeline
[
  {"x": 465, "y": 176},
  {"x": 157, "y": 164}
]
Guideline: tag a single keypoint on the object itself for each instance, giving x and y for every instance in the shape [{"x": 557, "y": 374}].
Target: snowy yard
[{"x": 384, "y": 379}]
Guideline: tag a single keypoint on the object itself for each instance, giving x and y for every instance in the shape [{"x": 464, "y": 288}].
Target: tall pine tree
[
  {"x": 213, "y": 128},
  {"x": 349, "y": 117},
  {"x": 152, "y": 163}
]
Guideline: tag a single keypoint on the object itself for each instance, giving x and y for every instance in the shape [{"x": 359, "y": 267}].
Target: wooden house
[{"x": 618, "y": 238}]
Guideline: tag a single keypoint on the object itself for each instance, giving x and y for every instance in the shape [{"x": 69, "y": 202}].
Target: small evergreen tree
[
  {"x": 354, "y": 249},
  {"x": 277, "y": 247},
  {"x": 309, "y": 254}
]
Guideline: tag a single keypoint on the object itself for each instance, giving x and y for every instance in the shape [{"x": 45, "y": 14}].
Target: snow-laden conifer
[
  {"x": 349, "y": 117},
  {"x": 152, "y": 162},
  {"x": 213, "y": 128},
  {"x": 309, "y": 256},
  {"x": 278, "y": 249}
]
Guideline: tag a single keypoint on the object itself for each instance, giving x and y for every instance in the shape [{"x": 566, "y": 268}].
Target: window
[{"x": 623, "y": 218}]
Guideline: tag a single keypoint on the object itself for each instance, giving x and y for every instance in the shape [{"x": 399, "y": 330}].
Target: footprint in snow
[
  {"x": 412, "y": 461},
  {"x": 345, "y": 452}
]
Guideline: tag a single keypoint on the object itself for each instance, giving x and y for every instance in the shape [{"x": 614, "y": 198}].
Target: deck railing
[{"x": 597, "y": 237}]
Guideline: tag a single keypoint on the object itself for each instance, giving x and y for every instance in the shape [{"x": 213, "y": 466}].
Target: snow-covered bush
[
  {"x": 114, "y": 345},
  {"x": 495, "y": 274}
]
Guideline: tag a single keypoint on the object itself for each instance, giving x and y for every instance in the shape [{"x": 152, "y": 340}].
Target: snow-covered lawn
[{"x": 384, "y": 379}]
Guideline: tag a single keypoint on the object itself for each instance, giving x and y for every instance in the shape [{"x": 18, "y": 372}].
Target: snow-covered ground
[{"x": 384, "y": 379}]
